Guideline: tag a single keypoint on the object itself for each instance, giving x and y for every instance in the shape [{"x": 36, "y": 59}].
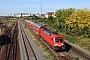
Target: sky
[{"x": 10, "y": 7}]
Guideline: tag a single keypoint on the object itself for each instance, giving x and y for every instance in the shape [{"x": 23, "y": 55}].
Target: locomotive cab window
[{"x": 58, "y": 39}]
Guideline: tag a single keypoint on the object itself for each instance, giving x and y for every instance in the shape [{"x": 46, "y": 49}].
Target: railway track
[
  {"x": 10, "y": 50},
  {"x": 81, "y": 53},
  {"x": 28, "y": 49},
  {"x": 66, "y": 54}
]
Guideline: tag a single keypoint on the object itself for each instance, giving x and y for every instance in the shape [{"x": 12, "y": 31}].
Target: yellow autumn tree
[{"x": 79, "y": 21}]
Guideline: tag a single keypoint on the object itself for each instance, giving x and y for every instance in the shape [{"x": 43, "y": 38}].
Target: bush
[{"x": 71, "y": 39}]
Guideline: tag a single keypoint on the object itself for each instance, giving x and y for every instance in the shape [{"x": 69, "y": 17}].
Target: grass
[
  {"x": 80, "y": 41},
  {"x": 76, "y": 59},
  {"x": 71, "y": 39}
]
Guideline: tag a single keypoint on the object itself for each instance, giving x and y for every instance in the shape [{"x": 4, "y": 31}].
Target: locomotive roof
[
  {"x": 37, "y": 25},
  {"x": 47, "y": 31}
]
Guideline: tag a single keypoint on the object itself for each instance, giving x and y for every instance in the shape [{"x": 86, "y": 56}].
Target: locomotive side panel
[{"x": 48, "y": 38}]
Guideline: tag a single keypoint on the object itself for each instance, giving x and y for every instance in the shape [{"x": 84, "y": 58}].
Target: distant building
[
  {"x": 48, "y": 14},
  {"x": 25, "y": 15},
  {"x": 22, "y": 15},
  {"x": 17, "y": 15},
  {"x": 33, "y": 15},
  {"x": 38, "y": 15},
  {"x": 42, "y": 16}
]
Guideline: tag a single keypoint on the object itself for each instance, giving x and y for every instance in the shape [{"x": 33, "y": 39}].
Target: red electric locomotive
[{"x": 55, "y": 40}]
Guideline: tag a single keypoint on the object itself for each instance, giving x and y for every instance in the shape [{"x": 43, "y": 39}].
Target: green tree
[
  {"x": 61, "y": 16},
  {"x": 50, "y": 20}
]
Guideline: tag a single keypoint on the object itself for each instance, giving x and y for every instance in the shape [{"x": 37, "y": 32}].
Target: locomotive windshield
[{"x": 58, "y": 39}]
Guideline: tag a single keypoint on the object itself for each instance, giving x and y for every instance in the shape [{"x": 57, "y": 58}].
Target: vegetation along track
[
  {"x": 70, "y": 53},
  {"x": 29, "y": 50}
]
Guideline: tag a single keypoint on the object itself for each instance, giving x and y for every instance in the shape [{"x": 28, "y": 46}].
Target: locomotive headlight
[
  {"x": 62, "y": 44},
  {"x": 56, "y": 44},
  {"x": 54, "y": 39}
]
